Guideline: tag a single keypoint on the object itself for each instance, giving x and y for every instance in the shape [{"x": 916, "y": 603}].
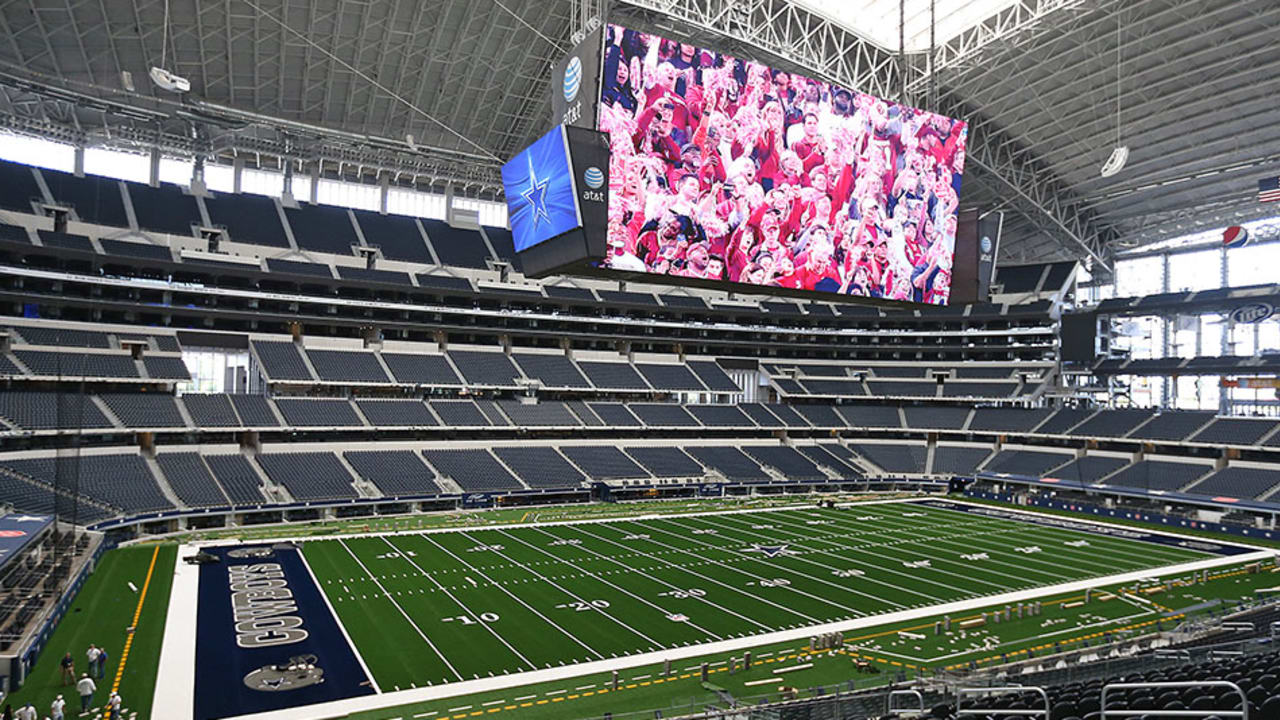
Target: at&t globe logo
[
  {"x": 593, "y": 178},
  {"x": 572, "y": 78}
]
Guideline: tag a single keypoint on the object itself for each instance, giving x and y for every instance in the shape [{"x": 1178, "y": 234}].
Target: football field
[{"x": 432, "y": 608}]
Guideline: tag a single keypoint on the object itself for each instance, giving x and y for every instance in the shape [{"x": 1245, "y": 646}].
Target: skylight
[{"x": 877, "y": 20}]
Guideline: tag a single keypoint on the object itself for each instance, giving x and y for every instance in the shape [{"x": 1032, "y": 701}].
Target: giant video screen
[{"x": 728, "y": 170}]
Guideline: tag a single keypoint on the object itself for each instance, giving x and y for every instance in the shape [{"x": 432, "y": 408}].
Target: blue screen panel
[{"x": 541, "y": 202}]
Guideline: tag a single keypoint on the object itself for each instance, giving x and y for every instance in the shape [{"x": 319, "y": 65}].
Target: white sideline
[
  {"x": 176, "y": 676},
  {"x": 175, "y": 683}
]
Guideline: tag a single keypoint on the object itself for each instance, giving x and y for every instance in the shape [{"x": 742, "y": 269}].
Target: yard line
[
  {"x": 590, "y": 574},
  {"x": 928, "y": 556},
  {"x": 1032, "y": 536},
  {"x": 664, "y": 561},
  {"x": 1028, "y": 531},
  {"x": 343, "y": 628},
  {"x": 662, "y": 582},
  {"x": 926, "y": 540},
  {"x": 740, "y": 571},
  {"x": 481, "y": 573},
  {"x": 842, "y": 547},
  {"x": 798, "y": 572},
  {"x": 1115, "y": 544},
  {"x": 842, "y": 557},
  {"x": 981, "y": 541},
  {"x": 421, "y": 634},
  {"x": 781, "y": 568},
  {"x": 454, "y": 598}
]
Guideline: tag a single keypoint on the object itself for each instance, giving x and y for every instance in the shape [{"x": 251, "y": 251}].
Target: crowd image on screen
[{"x": 723, "y": 169}]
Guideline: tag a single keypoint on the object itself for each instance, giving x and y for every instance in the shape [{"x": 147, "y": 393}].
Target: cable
[
  {"x": 485, "y": 151},
  {"x": 164, "y": 36},
  {"x": 1119, "y": 21},
  {"x": 523, "y": 22}
]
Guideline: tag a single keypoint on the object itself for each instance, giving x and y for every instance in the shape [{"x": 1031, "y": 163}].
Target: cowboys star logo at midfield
[
  {"x": 301, "y": 671},
  {"x": 772, "y": 550}
]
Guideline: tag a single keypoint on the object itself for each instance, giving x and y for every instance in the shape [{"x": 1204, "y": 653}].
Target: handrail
[
  {"x": 1242, "y": 713},
  {"x": 892, "y": 709},
  {"x": 961, "y": 692}
]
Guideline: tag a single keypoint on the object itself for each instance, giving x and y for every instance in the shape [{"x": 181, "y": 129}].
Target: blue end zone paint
[
  {"x": 1206, "y": 546},
  {"x": 222, "y": 664}
]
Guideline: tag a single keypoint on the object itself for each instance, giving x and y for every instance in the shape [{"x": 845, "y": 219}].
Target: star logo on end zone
[
  {"x": 536, "y": 196},
  {"x": 572, "y": 78}
]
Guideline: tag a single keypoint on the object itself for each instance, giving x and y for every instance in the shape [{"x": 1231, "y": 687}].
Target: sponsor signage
[{"x": 1252, "y": 313}]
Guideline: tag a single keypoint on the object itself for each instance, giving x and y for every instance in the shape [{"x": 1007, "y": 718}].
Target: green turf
[
  {"x": 507, "y": 516},
  {"x": 101, "y": 614},
  {"x": 645, "y": 689},
  {"x": 461, "y": 605}
]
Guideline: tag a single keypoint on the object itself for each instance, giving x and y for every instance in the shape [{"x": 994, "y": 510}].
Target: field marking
[
  {"x": 739, "y": 591},
  {"x": 843, "y": 588},
  {"x": 176, "y": 674},
  {"x": 1122, "y": 549},
  {"x": 421, "y": 634},
  {"x": 846, "y": 548},
  {"x": 133, "y": 626},
  {"x": 338, "y": 621},
  {"x": 884, "y": 568},
  {"x": 483, "y": 685},
  {"x": 606, "y": 582},
  {"x": 1037, "y": 636},
  {"x": 983, "y": 541},
  {"x": 219, "y": 542},
  {"x": 1126, "y": 549},
  {"x": 664, "y": 583},
  {"x": 728, "y": 566},
  {"x": 567, "y": 634},
  {"x": 474, "y": 615}
]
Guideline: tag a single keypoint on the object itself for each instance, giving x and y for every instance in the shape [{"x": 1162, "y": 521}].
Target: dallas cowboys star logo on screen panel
[{"x": 536, "y": 195}]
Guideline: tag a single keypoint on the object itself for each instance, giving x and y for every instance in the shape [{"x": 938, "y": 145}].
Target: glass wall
[
  {"x": 214, "y": 370},
  {"x": 136, "y": 167}
]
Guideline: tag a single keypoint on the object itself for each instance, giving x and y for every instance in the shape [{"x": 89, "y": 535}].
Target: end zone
[{"x": 252, "y": 633}]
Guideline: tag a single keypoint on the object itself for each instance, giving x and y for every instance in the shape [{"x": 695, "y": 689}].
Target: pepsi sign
[
  {"x": 1235, "y": 236},
  {"x": 1252, "y": 313}
]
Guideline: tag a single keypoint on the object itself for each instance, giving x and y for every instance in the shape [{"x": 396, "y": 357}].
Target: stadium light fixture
[{"x": 168, "y": 81}]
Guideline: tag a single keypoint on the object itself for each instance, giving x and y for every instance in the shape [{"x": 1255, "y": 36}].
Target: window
[
  {"x": 1196, "y": 270},
  {"x": 1140, "y": 276},
  {"x": 1198, "y": 392},
  {"x": 418, "y": 204},
  {"x": 1252, "y": 264},
  {"x": 118, "y": 164},
  {"x": 300, "y": 188},
  {"x": 37, "y": 151},
  {"x": 220, "y": 178},
  {"x": 493, "y": 214},
  {"x": 262, "y": 182},
  {"x": 176, "y": 170},
  {"x": 346, "y": 194},
  {"x": 215, "y": 370}
]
